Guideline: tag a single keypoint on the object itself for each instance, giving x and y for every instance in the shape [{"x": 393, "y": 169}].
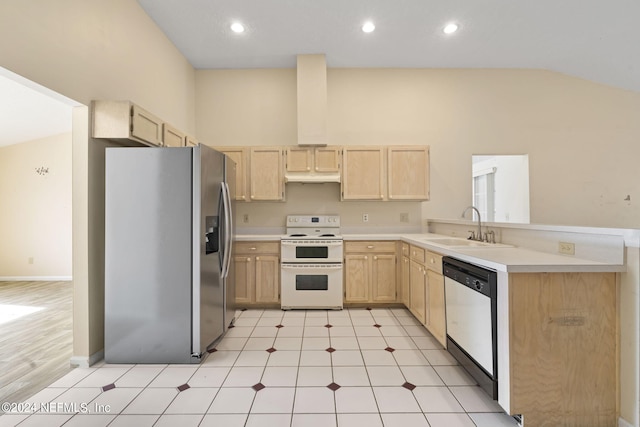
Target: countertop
[{"x": 500, "y": 258}]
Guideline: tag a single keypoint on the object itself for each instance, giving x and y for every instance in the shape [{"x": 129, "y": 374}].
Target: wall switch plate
[
  {"x": 567, "y": 248},
  {"x": 365, "y": 217},
  {"x": 404, "y": 217},
  {"x": 245, "y": 218}
]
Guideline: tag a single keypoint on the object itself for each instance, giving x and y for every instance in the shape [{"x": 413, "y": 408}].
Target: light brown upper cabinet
[
  {"x": 385, "y": 173},
  {"x": 238, "y": 155},
  {"x": 313, "y": 159},
  {"x": 266, "y": 176},
  {"x": 190, "y": 141},
  {"x": 124, "y": 120},
  {"x": 408, "y": 172},
  {"x": 363, "y": 175},
  {"x": 171, "y": 136}
]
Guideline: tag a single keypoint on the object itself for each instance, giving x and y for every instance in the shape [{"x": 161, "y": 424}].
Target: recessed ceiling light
[
  {"x": 237, "y": 27},
  {"x": 450, "y": 28},
  {"x": 368, "y": 27}
]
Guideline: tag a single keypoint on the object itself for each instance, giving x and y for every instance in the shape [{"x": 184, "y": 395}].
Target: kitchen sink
[{"x": 453, "y": 242}]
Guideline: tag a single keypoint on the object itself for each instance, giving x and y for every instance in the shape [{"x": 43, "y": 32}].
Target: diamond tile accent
[
  {"x": 377, "y": 326},
  {"x": 108, "y": 387},
  {"x": 390, "y": 349},
  {"x": 279, "y": 326},
  {"x": 258, "y": 387},
  {"x": 330, "y": 349},
  {"x": 212, "y": 350},
  {"x": 328, "y": 326},
  {"x": 183, "y": 387},
  {"x": 270, "y": 350},
  {"x": 333, "y": 386},
  {"x": 408, "y": 386}
]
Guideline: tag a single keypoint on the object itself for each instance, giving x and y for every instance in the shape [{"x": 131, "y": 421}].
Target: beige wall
[
  {"x": 35, "y": 221},
  {"x": 581, "y": 137},
  {"x": 96, "y": 49}
]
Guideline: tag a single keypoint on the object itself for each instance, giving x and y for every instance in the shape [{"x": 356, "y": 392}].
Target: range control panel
[{"x": 313, "y": 220}]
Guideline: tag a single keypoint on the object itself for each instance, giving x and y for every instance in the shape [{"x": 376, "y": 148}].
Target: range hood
[
  {"x": 312, "y": 100},
  {"x": 311, "y": 178}
]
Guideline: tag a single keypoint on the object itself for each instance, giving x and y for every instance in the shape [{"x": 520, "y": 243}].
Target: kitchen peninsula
[{"x": 557, "y": 316}]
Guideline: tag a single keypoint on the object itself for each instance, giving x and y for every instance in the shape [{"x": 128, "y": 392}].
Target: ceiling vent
[{"x": 312, "y": 100}]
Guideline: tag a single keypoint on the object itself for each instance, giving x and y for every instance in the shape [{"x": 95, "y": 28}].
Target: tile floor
[{"x": 310, "y": 368}]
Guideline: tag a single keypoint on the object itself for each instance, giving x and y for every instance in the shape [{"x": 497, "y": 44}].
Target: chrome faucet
[{"x": 474, "y": 236}]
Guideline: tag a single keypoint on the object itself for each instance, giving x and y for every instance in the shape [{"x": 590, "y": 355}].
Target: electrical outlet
[
  {"x": 404, "y": 217},
  {"x": 245, "y": 218},
  {"x": 567, "y": 248},
  {"x": 365, "y": 217},
  {"x": 30, "y": 260}
]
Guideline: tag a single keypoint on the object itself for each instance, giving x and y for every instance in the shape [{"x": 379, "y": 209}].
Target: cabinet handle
[
  {"x": 248, "y": 259},
  {"x": 424, "y": 272},
  {"x": 257, "y": 258},
  {"x": 366, "y": 257},
  {"x": 308, "y": 168},
  {"x": 375, "y": 258},
  {"x": 370, "y": 247},
  {"x": 253, "y": 248}
]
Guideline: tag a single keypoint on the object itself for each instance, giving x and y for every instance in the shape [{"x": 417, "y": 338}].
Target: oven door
[
  {"x": 311, "y": 251},
  {"x": 311, "y": 286}
]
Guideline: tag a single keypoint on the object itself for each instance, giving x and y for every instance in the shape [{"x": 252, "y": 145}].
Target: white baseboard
[
  {"x": 624, "y": 423},
  {"x": 35, "y": 278},
  {"x": 85, "y": 362}
]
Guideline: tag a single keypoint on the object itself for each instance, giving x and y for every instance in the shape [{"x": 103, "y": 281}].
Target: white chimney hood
[{"x": 312, "y": 100}]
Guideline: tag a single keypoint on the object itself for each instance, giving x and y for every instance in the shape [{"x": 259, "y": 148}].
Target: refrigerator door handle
[{"x": 226, "y": 203}]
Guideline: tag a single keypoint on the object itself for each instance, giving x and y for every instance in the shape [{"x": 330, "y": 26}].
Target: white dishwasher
[{"x": 471, "y": 309}]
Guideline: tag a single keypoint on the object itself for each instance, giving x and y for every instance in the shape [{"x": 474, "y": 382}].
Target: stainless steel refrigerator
[{"x": 169, "y": 282}]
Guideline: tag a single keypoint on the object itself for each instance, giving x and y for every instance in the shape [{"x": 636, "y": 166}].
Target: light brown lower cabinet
[
  {"x": 370, "y": 271},
  {"x": 257, "y": 272},
  {"x": 560, "y": 337}
]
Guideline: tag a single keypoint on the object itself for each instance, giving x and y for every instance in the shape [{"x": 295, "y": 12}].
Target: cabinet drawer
[
  {"x": 250, "y": 248},
  {"x": 434, "y": 261},
  {"x": 405, "y": 249},
  {"x": 417, "y": 254},
  {"x": 364, "y": 246}
]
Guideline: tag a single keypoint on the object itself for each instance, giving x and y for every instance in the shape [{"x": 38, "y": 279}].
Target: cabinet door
[
  {"x": 244, "y": 275},
  {"x": 145, "y": 126},
  {"x": 190, "y": 141},
  {"x": 299, "y": 159},
  {"x": 418, "y": 288},
  {"x": 383, "y": 277},
  {"x": 267, "y": 282},
  {"x": 266, "y": 173},
  {"x": 437, "y": 323},
  {"x": 408, "y": 173},
  {"x": 172, "y": 137},
  {"x": 406, "y": 296},
  {"x": 363, "y": 173},
  {"x": 327, "y": 159},
  {"x": 238, "y": 155},
  {"x": 356, "y": 280}
]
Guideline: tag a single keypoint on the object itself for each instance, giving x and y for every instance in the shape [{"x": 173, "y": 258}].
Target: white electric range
[{"x": 312, "y": 263}]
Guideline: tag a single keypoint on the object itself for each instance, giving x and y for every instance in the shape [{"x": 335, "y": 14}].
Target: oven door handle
[{"x": 311, "y": 266}]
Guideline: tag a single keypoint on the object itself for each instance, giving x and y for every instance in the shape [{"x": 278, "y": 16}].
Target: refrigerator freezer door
[{"x": 208, "y": 289}]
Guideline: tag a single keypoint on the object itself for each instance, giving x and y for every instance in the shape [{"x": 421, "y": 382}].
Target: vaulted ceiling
[{"x": 592, "y": 39}]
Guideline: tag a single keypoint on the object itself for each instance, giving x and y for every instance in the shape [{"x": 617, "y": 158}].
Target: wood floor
[{"x": 34, "y": 349}]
